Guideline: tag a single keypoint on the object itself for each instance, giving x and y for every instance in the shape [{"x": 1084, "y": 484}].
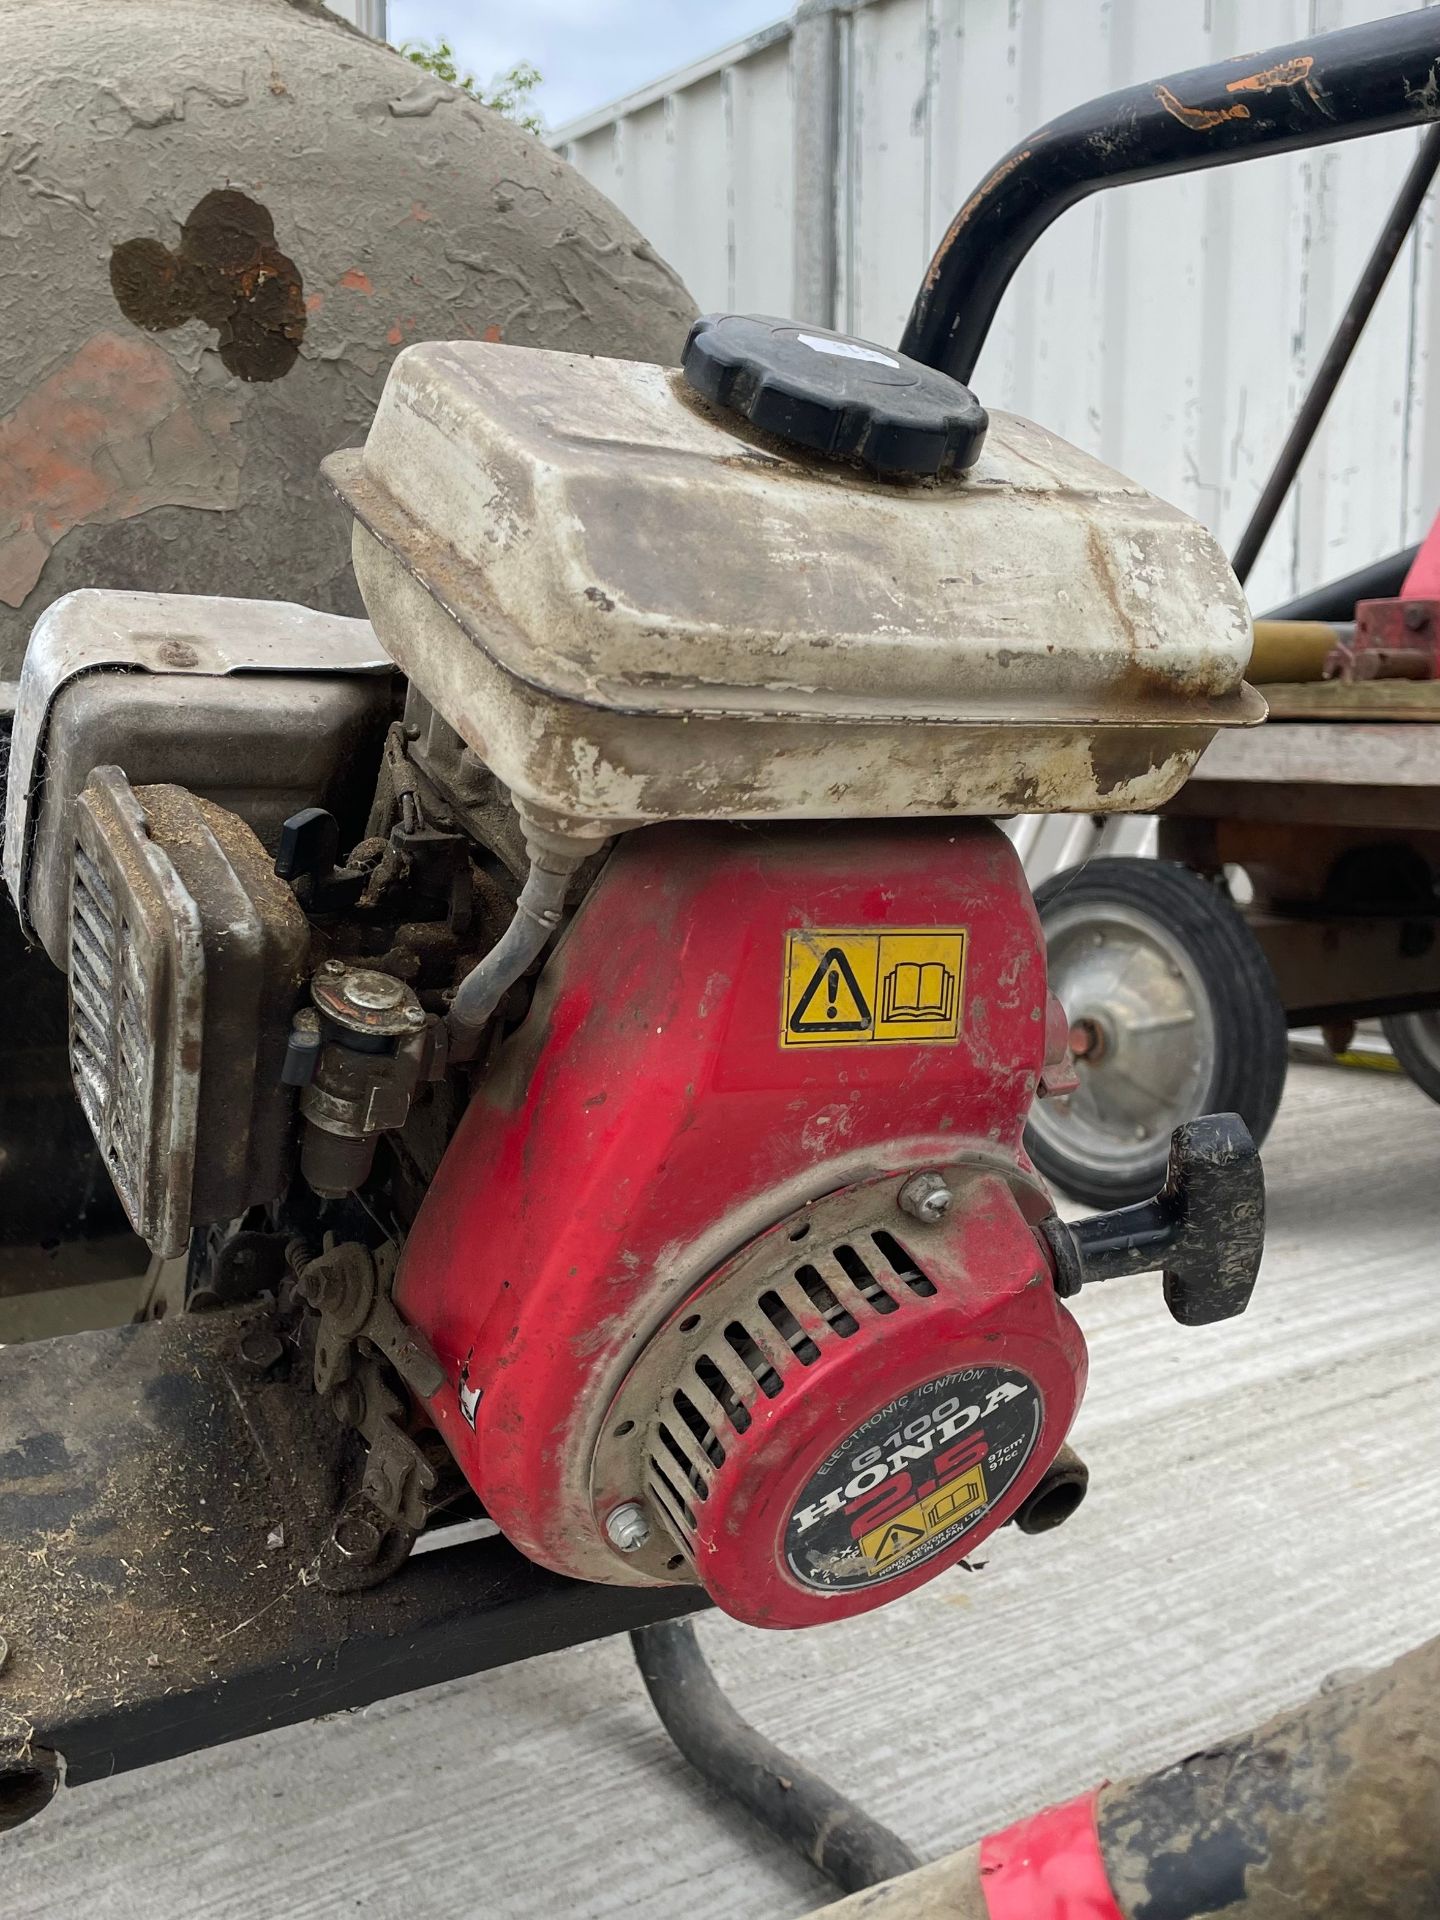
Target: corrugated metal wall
[
  {"x": 1169, "y": 327},
  {"x": 369, "y": 15}
]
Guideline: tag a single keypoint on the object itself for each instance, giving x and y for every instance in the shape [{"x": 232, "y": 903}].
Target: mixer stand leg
[{"x": 832, "y": 1833}]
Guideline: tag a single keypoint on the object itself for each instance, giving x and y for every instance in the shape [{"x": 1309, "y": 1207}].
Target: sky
[{"x": 588, "y": 51}]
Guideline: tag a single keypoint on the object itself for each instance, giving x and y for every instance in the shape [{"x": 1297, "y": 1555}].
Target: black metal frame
[
  {"x": 1337, "y": 599},
  {"x": 155, "y": 1466},
  {"x": 1338, "y": 86}
]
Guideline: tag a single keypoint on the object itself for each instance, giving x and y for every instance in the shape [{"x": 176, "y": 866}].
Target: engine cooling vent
[
  {"x": 753, "y": 1343},
  {"x": 137, "y": 985},
  {"x": 108, "y": 1023},
  {"x": 179, "y": 931}
]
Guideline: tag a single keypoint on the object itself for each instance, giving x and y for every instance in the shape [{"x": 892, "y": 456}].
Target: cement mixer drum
[{"x": 219, "y": 222}]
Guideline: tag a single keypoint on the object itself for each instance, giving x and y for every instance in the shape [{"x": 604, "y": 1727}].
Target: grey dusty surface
[{"x": 1260, "y": 1515}]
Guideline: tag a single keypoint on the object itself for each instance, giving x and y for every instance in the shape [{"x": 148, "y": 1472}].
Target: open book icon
[{"x": 918, "y": 991}]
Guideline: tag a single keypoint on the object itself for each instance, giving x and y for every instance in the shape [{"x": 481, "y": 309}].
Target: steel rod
[
  {"x": 797, "y": 1806},
  {"x": 1337, "y": 599}
]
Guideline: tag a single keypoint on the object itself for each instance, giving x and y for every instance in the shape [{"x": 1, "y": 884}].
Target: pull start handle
[{"x": 1204, "y": 1230}]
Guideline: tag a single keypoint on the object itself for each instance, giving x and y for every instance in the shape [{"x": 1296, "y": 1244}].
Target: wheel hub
[{"x": 1141, "y": 1032}]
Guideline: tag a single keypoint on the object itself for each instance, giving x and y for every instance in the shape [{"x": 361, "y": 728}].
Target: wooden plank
[
  {"x": 1339, "y": 756},
  {"x": 1354, "y": 700}
]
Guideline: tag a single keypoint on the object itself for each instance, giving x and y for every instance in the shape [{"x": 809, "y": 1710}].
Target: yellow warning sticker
[
  {"x": 849, "y": 988},
  {"x": 917, "y": 1524}
]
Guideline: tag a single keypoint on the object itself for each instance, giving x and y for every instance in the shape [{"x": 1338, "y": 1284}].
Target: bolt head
[
  {"x": 627, "y": 1528},
  {"x": 261, "y": 1349},
  {"x": 357, "y": 1538},
  {"x": 926, "y": 1197},
  {"x": 414, "y": 1016},
  {"x": 1089, "y": 1039}
]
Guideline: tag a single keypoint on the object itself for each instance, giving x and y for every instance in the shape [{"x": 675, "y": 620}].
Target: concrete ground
[{"x": 1261, "y": 1514}]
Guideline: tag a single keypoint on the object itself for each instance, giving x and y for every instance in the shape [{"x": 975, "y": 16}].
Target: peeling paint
[
  {"x": 1200, "y": 119},
  {"x": 114, "y": 126},
  {"x": 977, "y": 199},
  {"x": 1427, "y": 94},
  {"x": 112, "y": 433},
  {"x": 1290, "y": 73}
]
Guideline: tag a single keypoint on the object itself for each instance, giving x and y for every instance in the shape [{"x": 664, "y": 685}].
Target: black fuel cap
[{"x": 834, "y": 395}]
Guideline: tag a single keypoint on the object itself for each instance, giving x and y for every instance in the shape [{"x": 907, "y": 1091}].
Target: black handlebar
[{"x": 1366, "y": 79}]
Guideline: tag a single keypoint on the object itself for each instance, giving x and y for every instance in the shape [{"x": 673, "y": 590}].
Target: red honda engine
[
  {"x": 734, "y": 1263},
  {"x": 659, "y": 1051}
]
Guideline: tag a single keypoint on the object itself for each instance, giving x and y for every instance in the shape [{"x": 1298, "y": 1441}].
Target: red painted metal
[
  {"x": 998, "y": 1307},
  {"x": 1422, "y": 582},
  {"x": 1397, "y": 639},
  {"x": 1049, "y": 1867},
  {"x": 645, "y": 1123},
  {"x": 1394, "y": 640}
]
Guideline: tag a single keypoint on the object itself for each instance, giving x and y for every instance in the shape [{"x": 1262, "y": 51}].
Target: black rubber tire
[
  {"x": 1419, "y": 1061},
  {"x": 1251, "y": 1037}
]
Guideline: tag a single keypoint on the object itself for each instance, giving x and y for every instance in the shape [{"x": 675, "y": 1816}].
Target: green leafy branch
[{"x": 508, "y": 93}]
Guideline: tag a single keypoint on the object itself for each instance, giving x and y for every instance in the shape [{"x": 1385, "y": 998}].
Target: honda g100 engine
[{"x": 592, "y": 993}]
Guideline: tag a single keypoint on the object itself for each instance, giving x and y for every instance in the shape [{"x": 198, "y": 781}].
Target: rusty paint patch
[
  {"x": 227, "y": 271},
  {"x": 963, "y": 218},
  {"x": 111, "y": 434},
  {"x": 492, "y": 333},
  {"x": 1200, "y": 119},
  {"x": 357, "y": 281},
  {"x": 1290, "y": 73}
]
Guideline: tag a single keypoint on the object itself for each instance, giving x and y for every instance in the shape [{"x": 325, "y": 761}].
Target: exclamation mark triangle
[{"x": 841, "y": 1007}]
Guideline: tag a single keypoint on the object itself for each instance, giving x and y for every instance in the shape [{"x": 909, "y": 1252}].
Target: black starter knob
[
  {"x": 836, "y": 396},
  {"x": 1205, "y": 1229}
]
